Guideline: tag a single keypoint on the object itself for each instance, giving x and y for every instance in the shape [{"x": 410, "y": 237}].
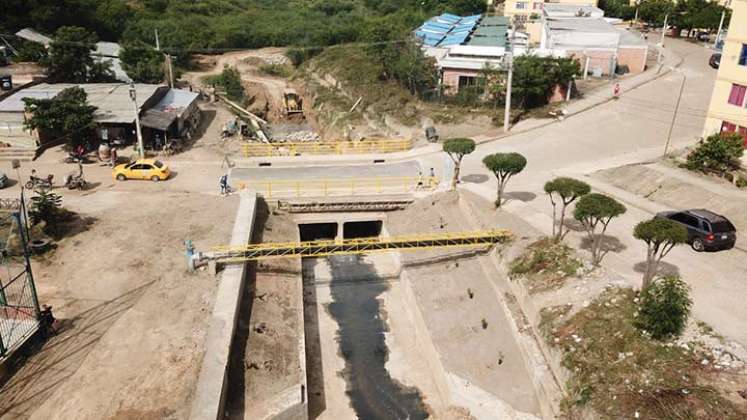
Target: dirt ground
[
  {"x": 133, "y": 319},
  {"x": 265, "y": 365},
  {"x": 463, "y": 312}
]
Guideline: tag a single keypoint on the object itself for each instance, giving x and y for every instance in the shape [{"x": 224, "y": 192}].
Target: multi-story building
[
  {"x": 728, "y": 109},
  {"x": 527, "y": 13}
]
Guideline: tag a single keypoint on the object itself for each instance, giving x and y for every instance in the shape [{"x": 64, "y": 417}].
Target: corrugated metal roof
[
  {"x": 157, "y": 119},
  {"x": 112, "y": 99},
  {"x": 176, "y": 101},
  {"x": 105, "y": 51},
  {"x": 31, "y": 35},
  {"x": 494, "y": 21},
  {"x": 486, "y": 41}
]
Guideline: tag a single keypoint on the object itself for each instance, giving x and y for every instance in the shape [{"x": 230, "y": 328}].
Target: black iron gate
[{"x": 19, "y": 305}]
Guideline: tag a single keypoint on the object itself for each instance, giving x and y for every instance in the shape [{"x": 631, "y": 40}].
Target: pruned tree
[
  {"x": 664, "y": 307},
  {"x": 67, "y": 114},
  {"x": 563, "y": 191},
  {"x": 504, "y": 166},
  {"x": 457, "y": 149},
  {"x": 595, "y": 210},
  {"x": 660, "y": 236}
]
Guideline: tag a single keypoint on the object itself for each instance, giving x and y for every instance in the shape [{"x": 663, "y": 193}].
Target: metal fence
[
  {"x": 327, "y": 147},
  {"x": 19, "y": 305}
]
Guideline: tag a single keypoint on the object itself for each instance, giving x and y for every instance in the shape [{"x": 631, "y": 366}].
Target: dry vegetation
[
  {"x": 545, "y": 265},
  {"x": 619, "y": 372}
]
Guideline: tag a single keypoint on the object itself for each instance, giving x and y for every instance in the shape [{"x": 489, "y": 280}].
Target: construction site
[
  {"x": 315, "y": 250},
  {"x": 340, "y": 311}
]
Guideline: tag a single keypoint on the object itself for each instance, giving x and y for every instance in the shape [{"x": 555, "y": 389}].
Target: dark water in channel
[{"x": 355, "y": 307}]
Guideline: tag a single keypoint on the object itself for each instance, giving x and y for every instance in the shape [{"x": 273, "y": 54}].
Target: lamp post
[
  {"x": 674, "y": 115},
  {"x": 140, "y": 147}
]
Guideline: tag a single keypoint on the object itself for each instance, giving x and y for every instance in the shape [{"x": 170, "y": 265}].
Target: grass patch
[
  {"x": 278, "y": 70},
  {"x": 618, "y": 371},
  {"x": 545, "y": 264}
]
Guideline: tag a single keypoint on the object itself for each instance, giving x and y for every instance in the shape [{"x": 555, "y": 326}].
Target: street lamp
[{"x": 133, "y": 96}]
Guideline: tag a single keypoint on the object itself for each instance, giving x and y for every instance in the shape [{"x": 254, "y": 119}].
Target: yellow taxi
[{"x": 152, "y": 169}]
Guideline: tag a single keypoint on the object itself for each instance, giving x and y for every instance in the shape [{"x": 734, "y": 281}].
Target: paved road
[
  {"x": 630, "y": 130},
  {"x": 404, "y": 169}
]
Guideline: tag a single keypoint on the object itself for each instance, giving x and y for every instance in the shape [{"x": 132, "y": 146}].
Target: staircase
[{"x": 21, "y": 153}]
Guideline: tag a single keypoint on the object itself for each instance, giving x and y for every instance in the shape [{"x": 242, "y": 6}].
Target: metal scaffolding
[{"x": 252, "y": 252}]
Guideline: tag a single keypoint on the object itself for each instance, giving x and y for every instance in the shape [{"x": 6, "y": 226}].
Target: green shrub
[
  {"x": 46, "y": 206},
  {"x": 230, "y": 81},
  {"x": 718, "y": 152},
  {"x": 664, "y": 307}
]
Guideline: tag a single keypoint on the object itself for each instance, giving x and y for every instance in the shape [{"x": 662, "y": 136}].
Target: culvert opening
[
  {"x": 368, "y": 229},
  {"x": 317, "y": 231}
]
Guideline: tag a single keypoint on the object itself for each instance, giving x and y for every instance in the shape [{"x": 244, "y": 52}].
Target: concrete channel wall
[{"x": 209, "y": 396}]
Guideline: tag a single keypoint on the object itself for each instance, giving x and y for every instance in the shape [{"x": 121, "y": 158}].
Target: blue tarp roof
[
  {"x": 447, "y": 29},
  {"x": 448, "y": 17},
  {"x": 473, "y": 18}
]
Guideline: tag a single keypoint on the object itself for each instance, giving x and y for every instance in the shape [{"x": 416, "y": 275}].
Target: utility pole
[
  {"x": 133, "y": 96},
  {"x": 720, "y": 26},
  {"x": 663, "y": 32},
  {"x": 167, "y": 62},
  {"x": 674, "y": 116},
  {"x": 509, "y": 81}
]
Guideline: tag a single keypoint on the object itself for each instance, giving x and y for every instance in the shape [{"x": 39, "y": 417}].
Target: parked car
[
  {"x": 715, "y": 60},
  {"x": 706, "y": 230},
  {"x": 152, "y": 169},
  {"x": 703, "y": 36},
  {"x": 3, "y": 180}
]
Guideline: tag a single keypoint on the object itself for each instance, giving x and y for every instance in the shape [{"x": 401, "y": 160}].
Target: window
[
  {"x": 738, "y": 92},
  {"x": 521, "y": 5},
  {"x": 158, "y": 164},
  {"x": 728, "y": 127},
  {"x": 465, "y": 81},
  {"x": 743, "y": 56},
  {"x": 685, "y": 219}
]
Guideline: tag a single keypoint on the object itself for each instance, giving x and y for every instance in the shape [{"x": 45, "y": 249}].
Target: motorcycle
[
  {"x": 43, "y": 183},
  {"x": 75, "y": 181},
  {"x": 73, "y": 157}
]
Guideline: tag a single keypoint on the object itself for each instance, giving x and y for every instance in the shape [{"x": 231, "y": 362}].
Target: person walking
[
  {"x": 113, "y": 157},
  {"x": 616, "y": 91},
  {"x": 223, "y": 182}
]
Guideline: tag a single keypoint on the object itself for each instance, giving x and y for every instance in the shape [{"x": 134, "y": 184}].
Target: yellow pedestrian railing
[
  {"x": 226, "y": 254},
  {"x": 327, "y": 147},
  {"x": 338, "y": 186}
]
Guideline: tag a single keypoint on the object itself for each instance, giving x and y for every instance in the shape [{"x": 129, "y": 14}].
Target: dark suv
[{"x": 706, "y": 231}]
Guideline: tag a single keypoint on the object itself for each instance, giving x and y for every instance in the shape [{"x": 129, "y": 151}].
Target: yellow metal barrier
[
  {"x": 327, "y": 147},
  {"x": 357, "y": 246},
  {"x": 338, "y": 186}
]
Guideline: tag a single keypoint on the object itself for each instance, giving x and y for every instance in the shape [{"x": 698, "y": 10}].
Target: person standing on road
[
  {"x": 223, "y": 182},
  {"x": 616, "y": 91},
  {"x": 113, "y": 156}
]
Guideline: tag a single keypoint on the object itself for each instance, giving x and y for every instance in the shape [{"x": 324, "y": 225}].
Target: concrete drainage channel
[{"x": 352, "y": 336}]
